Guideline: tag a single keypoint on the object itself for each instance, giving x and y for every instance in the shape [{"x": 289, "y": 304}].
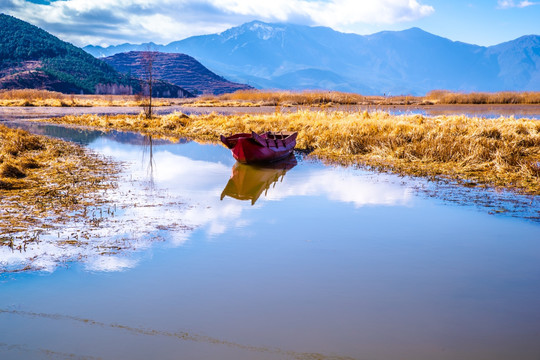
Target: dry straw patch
[
  {"x": 45, "y": 181},
  {"x": 503, "y": 97},
  {"x": 33, "y": 97},
  {"x": 502, "y": 152},
  {"x": 250, "y": 98}
]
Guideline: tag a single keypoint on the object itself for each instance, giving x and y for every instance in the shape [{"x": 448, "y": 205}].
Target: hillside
[
  {"x": 411, "y": 61},
  {"x": 33, "y": 58},
  {"x": 178, "y": 69}
]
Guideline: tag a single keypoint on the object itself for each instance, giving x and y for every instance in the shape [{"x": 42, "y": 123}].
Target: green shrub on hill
[{"x": 21, "y": 42}]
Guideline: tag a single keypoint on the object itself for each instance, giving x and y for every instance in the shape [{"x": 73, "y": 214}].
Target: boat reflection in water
[{"x": 248, "y": 182}]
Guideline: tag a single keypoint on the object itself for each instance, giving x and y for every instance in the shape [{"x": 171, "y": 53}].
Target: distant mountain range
[
  {"x": 177, "y": 69},
  {"x": 412, "y": 61}
]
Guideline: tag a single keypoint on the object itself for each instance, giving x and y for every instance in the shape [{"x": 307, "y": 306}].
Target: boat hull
[{"x": 254, "y": 148}]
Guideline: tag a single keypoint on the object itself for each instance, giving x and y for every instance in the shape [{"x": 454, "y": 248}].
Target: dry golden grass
[
  {"x": 252, "y": 98},
  {"x": 296, "y": 98},
  {"x": 280, "y": 98},
  {"x": 43, "y": 180},
  {"x": 309, "y": 98},
  {"x": 257, "y": 98},
  {"x": 505, "y": 97},
  {"x": 502, "y": 152},
  {"x": 31, "y": 97}
]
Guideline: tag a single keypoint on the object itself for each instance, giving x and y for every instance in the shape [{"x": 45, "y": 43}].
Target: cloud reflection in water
[{"x": 165, "y": 201}]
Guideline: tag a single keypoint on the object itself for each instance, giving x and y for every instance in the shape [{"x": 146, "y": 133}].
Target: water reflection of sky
[
  {"x": 200, "y": 183},
  {"x": 332, "y": 263},
  {"x": 171, "y": 190},
  {"x": 174, "y": 188}
]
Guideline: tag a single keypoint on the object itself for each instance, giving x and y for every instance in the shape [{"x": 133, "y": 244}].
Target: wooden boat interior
[{"x": 278, "y": 135}]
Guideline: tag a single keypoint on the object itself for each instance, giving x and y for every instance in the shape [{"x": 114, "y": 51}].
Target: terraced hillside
[{"x": 179, "y": 69}]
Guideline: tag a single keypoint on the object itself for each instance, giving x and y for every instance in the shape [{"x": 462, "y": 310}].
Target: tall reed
[
  {"x": 34, "y": 97},
  {"x": 318, "y": 98},
  {"x": 504, "y": 97},
  {"x": 273, "y": 98}
]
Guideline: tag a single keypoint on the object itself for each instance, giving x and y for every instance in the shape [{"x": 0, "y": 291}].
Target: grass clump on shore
[
  {"x": 258, "y": 98},
  {"x": 309, "y": 98},
  {"x": 34, "y": 97},
  {"x": 502, "y": 152},
  {"x": 312, "y": 98},
  {"x": 44, "y": 181},
  {"x": 503, "y": 97},
  {"x": 281, "y": 98}
]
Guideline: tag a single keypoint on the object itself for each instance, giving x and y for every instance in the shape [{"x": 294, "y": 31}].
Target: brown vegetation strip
[
  {"x": 252, "y": 98},
  {"x": 32, "y": 97},
  {"x": 45, "y": 181},
  {"x": 504, "y": 152},
  {"x": 179, "y": 335},
  {"x": 257, "y": 98},
  {"x": 40, "y": 352},
  {"x": 503, "y": 97}
]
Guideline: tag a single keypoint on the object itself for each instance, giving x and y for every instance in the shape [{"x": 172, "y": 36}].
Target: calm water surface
[
  {"x": 298, "y": 261},
  {"x": 528, "y": 111}
]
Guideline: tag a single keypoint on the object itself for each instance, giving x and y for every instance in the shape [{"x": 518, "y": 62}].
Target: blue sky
[{"x": 108, "y": 22}]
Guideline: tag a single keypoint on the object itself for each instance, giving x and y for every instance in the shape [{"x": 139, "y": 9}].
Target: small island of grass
[{"x": 46, "y": 181}]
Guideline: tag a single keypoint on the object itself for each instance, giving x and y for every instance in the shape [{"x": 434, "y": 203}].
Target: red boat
[{"x": 266, "y": 147}]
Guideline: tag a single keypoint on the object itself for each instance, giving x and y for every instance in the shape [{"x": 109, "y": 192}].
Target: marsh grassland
[
  {"x": 502, "y": 152},
  {"x": 256, "y": 98},
  {"x": 261, "y": 98},
  {"x": 45, "y": 98},
  {"x": 46, "y": 181}
]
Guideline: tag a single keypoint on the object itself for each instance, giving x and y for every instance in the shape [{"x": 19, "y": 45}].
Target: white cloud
[
  {"x": 347, "y": 12},
  {"x": 186, "y": 194},
  {"x": 163, "y": 21},
  {"x": 506, "y": 4},
  {"x": 344, "y": 187}
]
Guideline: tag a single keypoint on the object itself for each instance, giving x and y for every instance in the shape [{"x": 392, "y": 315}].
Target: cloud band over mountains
[{"x": 115, "y": 21}]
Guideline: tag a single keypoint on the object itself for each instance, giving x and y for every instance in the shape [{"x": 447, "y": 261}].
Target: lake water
[
  {"x": 297, "y": 261},
  {"x": 529, "y": 111}
]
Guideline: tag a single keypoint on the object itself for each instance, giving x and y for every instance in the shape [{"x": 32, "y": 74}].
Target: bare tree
[{"x": 147, "y": 62}]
